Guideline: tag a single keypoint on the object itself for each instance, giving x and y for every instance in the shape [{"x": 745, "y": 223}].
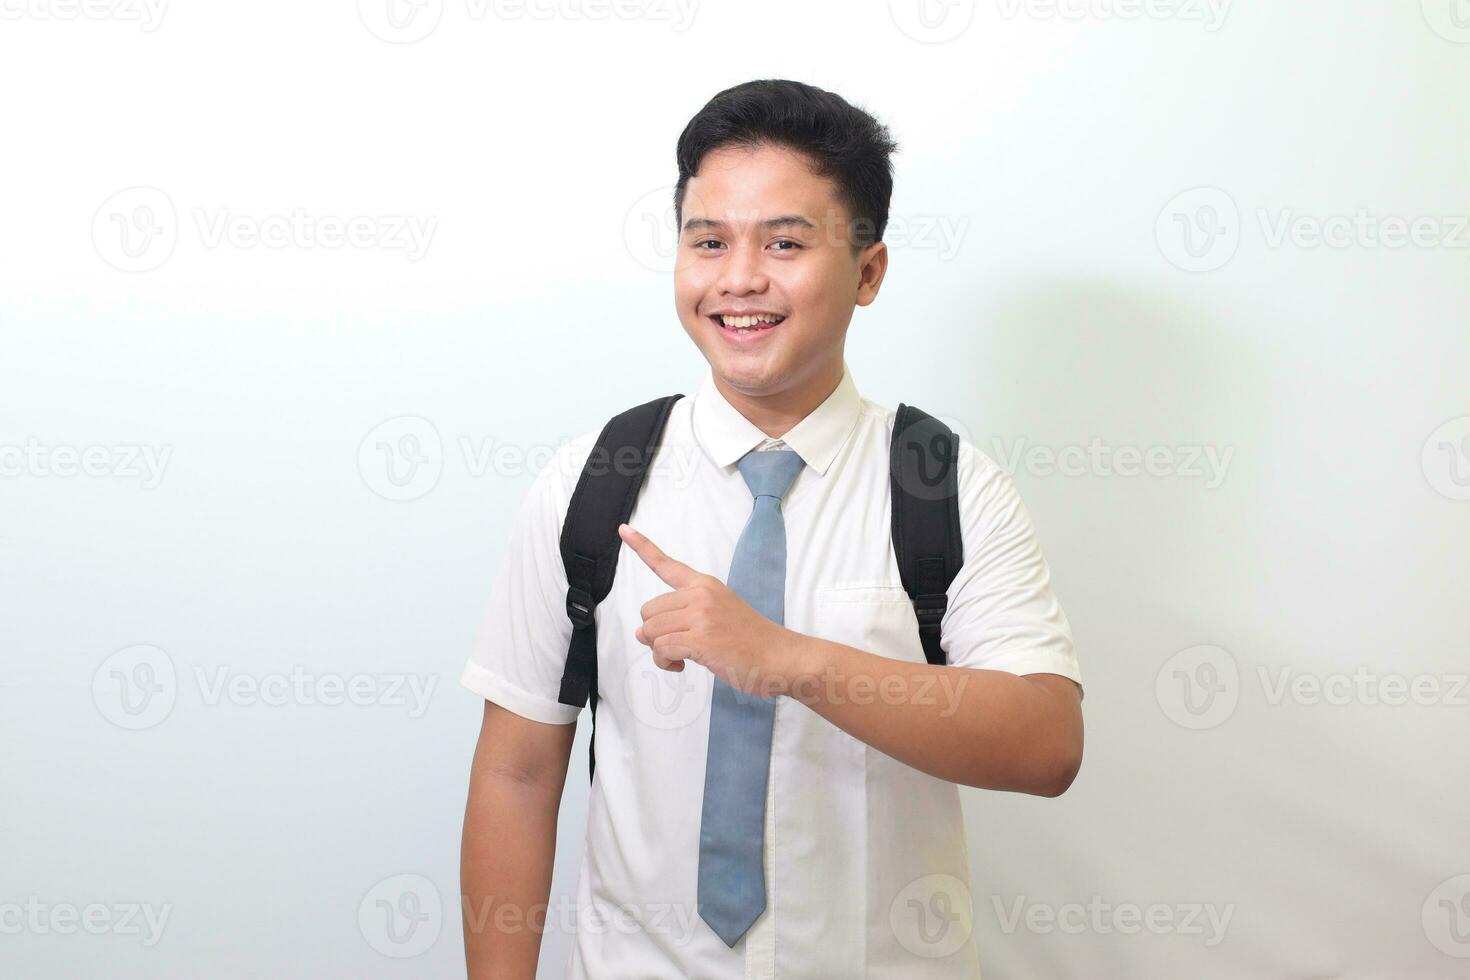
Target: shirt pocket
[{"x": 878, "y": 618}]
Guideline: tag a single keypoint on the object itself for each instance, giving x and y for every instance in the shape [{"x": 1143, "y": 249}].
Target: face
[{"x": 762, "y": 234}]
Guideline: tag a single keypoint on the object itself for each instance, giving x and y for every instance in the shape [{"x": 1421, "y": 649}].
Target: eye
[
  {"x": 707, "y": 241},
  {"x": 786, "y": 241}
]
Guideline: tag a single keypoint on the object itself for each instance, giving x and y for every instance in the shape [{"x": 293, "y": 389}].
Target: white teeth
[{"x": 738, "y": 322}]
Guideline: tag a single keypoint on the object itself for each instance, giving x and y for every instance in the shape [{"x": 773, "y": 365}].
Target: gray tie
[{"x": 732, "y": 887}]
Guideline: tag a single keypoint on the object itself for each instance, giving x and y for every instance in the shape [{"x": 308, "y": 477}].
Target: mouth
[{"x": 749, "y": 329}]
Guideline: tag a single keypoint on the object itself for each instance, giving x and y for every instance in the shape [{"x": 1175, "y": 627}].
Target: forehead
[{"x": 742, "y": 185}]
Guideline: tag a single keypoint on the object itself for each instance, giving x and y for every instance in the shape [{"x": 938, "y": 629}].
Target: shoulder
[
  {"x": 555, "y": 468},
  {"x": 557, "y": 476},
  {"x": 562, "y": 466},
  {"x": 976, "y": 469},
  {"x": 988, "y": 497}
]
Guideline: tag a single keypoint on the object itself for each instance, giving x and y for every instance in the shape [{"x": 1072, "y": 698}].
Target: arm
[
  {"x": 986, "y": 728},
  {"x": 1001, "y": 714},
  {"x": 509, "y": 841},
  {"x": 1004, "y": 712}
]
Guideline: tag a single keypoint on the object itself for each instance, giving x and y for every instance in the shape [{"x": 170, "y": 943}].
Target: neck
[{"x": 776, "y": 413}]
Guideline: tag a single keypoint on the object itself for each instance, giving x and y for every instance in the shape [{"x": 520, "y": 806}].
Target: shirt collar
[{"x": 726, "y": 435}]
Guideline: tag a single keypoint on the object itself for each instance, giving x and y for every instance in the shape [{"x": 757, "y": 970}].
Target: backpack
[{"x": 923, "y": 461}]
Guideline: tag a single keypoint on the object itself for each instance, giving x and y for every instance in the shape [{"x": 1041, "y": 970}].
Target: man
[{"x": 775, "y": 792}]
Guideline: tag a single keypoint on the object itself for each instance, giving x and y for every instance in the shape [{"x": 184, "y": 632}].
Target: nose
[{"x": 742, "y": 272}]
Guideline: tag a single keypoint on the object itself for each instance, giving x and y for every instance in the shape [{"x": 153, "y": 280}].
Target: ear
[{"x": 872, "y": 266}]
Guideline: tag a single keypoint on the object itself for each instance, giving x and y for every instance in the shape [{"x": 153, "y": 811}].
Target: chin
[{"x": 748, "y": 376}]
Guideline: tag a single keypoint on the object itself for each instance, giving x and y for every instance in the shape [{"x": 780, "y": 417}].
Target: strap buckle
[
  {"x": 580, "y": 606},
  {"x": 930, "y": 610}
]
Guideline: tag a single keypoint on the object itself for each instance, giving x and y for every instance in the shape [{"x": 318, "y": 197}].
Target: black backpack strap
[
  {"x": 923, "y": 468},
  {"x": 604, "y": 497}
]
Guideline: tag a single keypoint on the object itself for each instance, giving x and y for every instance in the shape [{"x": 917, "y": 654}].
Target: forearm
[
  {"x": 506, "y": 858},
  {"x": 986, "y": 728}
]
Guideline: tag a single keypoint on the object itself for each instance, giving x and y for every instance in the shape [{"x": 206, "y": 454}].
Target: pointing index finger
[{"x": 671, "y": 571}]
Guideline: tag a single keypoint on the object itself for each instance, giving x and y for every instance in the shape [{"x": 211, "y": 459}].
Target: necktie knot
[{"x": 770, "y": 473}]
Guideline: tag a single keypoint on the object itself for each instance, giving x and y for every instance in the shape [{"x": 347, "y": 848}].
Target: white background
[{"x": 1087, "y": 251}]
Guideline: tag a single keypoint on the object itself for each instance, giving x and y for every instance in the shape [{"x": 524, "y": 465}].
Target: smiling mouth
[{"x": 746, "y": 325}]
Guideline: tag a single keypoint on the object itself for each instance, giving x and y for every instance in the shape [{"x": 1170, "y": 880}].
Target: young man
[{"x": 775, "y": 792}]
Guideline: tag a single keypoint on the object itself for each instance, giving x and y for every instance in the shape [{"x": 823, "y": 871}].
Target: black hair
[{"x": 842, "y": 141}]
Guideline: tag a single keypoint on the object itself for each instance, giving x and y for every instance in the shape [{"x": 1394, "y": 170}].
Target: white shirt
[{"x": 867, "y": 870}]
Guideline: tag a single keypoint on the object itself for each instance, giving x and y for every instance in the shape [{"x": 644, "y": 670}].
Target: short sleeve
[
  {"x": 1002, "y": 613},
  {"x": 520, "y": 648}
]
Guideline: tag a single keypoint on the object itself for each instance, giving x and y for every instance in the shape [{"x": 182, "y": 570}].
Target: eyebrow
[{"x": 780, "y": 221}]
